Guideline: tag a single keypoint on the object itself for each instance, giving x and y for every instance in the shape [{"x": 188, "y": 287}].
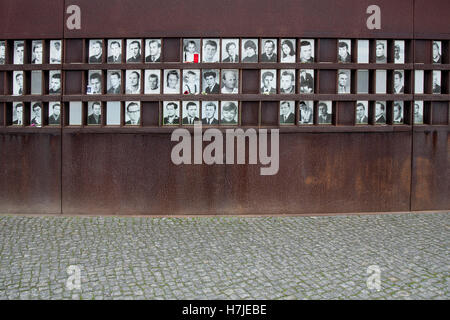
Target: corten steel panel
[
  {"x": 319, "y": 173},
  {"x": 240, "y": 18},
  {"x": 31, "y": 19},
  {"x": 30, "y": 168},
  {"x": 431, "y": 162},
  {"x": 431, "y": 19}
]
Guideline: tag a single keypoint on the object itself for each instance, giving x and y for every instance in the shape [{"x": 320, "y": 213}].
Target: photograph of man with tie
[
  {"x": 209, "y": 112},
  {"x": 18, "y": 111},
  {"x": 268, "y": 81},
  {"x": 18, "y": 84},
  {"x": 153, "y": 50},
  {"x": 115, "y": 51},
  {"x": 287, "y": 115},
  {"x": 230, "y": 50},
  {"x": 133, "y": 114},
  {"x": 190, "y": 112}
]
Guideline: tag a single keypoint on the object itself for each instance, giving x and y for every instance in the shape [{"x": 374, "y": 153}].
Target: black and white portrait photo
[
  {"x": 269, "y": 50},
  {"x": 211, "y": 50},
  {"x": 287, "y": 112},
  {"x": 362, "y": 112},
  {"x": 17, "y": 114},
  {"x": 343, "y": 81},
  {"x": 344, "y": 51},
  {"x": 36, "y": 114},
  {"x": 398, "y": 112},
  {"x": 399, "y": 51},
  {"x": 306, "y": 112},
  {"x": 288, "y": 51},
  {"x": 55, "y": 51},
  {"x": 229, "y": 112},
  {"x": 114, "y": 51},
  {"x": 113, "y": 113},
  {"x": 325, "y": 110},
  {"x": 210, "y": 78},
  {"x": 230, "y": 50},
  {"x": 380, "y": 112},
  {"x": 230, "y": 81},
  {"x": 132, "y": 113},
  {"x": 418, "y": 112},
  {"x": 287, "y": 81},
  {"x": 306, "y": 81},
  {"x": 18, "y": 89},
  {"x": 363, "y": 51},
  {"x": 210, "y": 112},
  {"x": 94, "y": 113},
  {"x": 307, "y": 50},
  {"x": 54, "y": 82},
  {"x": 172, "y": 81},
  {"x": 191, "y": 112},
  {"x": 380, "y": 51},
  {"x": 399, "y": 81},
  {"x": 437, "y": 52},
  {"x": 191, "y": 81},
  {"x": 171, "y": 113},
  {"x": 94, "y": 82},
  {"x": 114, "y": 82},
  {"x": 18, "y": 52},
  {"x": 268, "y": 81},
  {"x": 95, "y": 51},
  {"x": 152, "y": 50},
  {"x": 152, "y": 81},
  {"x": 36, "y": 52},
  {"x": 436, "y": 81},
  {"x": 54, "y": 113},
  {"x": 133, "y": 82},
  {"x": 191, "y": 50},
  {"x": 134, "y": 51},
  {"x": 249, "y": 50},
  {"x": 2, "y": 52}
]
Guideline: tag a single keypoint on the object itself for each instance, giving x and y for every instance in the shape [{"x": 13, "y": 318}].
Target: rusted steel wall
[{"x": 337, "y": 169}]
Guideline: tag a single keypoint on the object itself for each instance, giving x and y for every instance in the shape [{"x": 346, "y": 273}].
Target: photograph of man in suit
[
  {"x": 133, "y": 113},
  {"x": 55, "y": 84},
  {"x": 18, "y": 87},
  {"x": 229, "y": 80},
  {"x": 152, "y": 86},
  {"x": 250, "y": 50},
  {"x": 95, "y": 116},
  {"x": 95, "y": 52},
  {"x": 287, "y": 115},
  {"x": 55, "y": 51},
  {"x": 380, "y": 53},
  {"x": 2, "y": 52},
  {"x": 154, "y": 55},
  {"x": 18, "y": 52},
  {"x": 95, "y": 81},
  {"x": 361, "y": 117},
  {"x": 36, "y": 115},
  {"x": 268, "y": 82},
  {"x": 436, "y": 81},
  {"x": 418, "y": 113},
  {"x": 37, "y": 52},
  {"x": 191, "y": 113},
  {"x": 306, "y": 82},
  {"x": 210, "y": 53},
  {"x": 398, "y": 113},
  {"x": 210, "y": 84},
  {"x": 209, "y": 113},
  {"x": 287, "y": 82},
  {"x": 306, "y": 113},
  {"x": 398, "y": 82},
  {"x": 55, "y": 116},
  {"x": 232, "y": 52},
  {"x": 343, "y": 53},
  {"x": 324, "y": 116},
  {"x": 134, "y": 52},
  {"x": 269, "y": 54},
  {"x": 436, "y": 52},
  {"x": 171, "y": 117},
  {"x": 306, "y": 52},
  {"x": 19, "y": 114},
  {"x": 343, "y": 82},
  {"x": 115, "y": 52},
  {"x": 114, "y": 82},
  {"x": 133, "y": 85},
  {"x": 229, "y": 113},
  {"x": 380, "y": 113}
]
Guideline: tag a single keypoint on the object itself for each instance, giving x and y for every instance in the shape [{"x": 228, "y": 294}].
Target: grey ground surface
[{"x": 226, "y": 257}]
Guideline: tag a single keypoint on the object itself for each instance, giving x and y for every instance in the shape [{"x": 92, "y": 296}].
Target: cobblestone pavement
[{"x": 226, "y": 257}]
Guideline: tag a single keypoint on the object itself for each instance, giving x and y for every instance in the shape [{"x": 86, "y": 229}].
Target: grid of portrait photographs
[{"x": 285, "y": 67}]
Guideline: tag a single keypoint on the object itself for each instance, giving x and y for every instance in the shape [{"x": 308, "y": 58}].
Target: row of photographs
[
  {"x": 216, "y": 50},
  {"x": 188, "y": 112},
  {"x": 215, "y": 81}
]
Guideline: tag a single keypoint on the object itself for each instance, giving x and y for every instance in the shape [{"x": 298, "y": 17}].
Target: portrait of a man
[
  {"x": 18, "y": 113},
  {"x": 95, "y": 82},
  {"x": 230, "y": 81},
  {"x": 230, "y": 50},
  {"x": 306, "y": 81},
  {"x": 398, "y": 112},
  {"x": 380, "y": 51},
  {"x": 209, "y": 112},
  {"x": 268, "y": 81},
  {"x": 306, "y": 111},
  {"x": 307, "y": 51},
  {"x": 361, "y": 115},
  {"x": 190, "y": 112},
  {"x": 37, "y": 52},
  {"x": 153, "y": 50},
  {"x": 55, "y": 82},
  {"x": 344, "y": 51},
  {"x": 18, "y": 52},
  {"x": 134, "y": 51},
  {"x": 437, "y": 53},
  {"x": 211, "y": 81},
  {"x": 436, "y": 82},
  {"x": 269, "y": 50},
  {"x": 114, "y": 82},
  {"x": 133, "y": 113},
  {"x": 172, "y": 81},
  {"x": 325, "y": 112},
  {"x": 399, "y": 81},
  {"x": 18, "y": 83},
  {"x": 418, "y": 112},
  {"x": 55, "y": 51},
  {"x": 287, "y": 112},
  {"x": 115, "y": 51},
  {"x": 152, "y": 82},
  {"x": 36, "y": 114},
  {"x": 343, "y": 81},
  {"x": 94, "y": 113},
  {"x": 191, "y": 81},
  {"x": 133, "y": 84},
  {"x": 287, "y": 81},
  {"x": 171, "y": 113},
  {"x": 54, "y": 110},
  {"x": 211, "y": 49},
  {"x": 95, "y": 51},
  {"x": 380, "y": 112}
]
